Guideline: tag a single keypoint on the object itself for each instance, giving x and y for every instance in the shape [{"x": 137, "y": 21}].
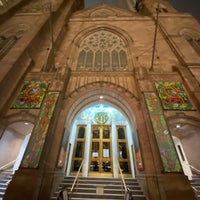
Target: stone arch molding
[
  {"x": 188, "y": 126},
  {"x": 84, "y": 99},
  {"x": 9, "y": 37},
  {"x": 126, "y": 87},
  {"x": 187, "y": 129},
  {"x": 189, "y": 32},
  {"x": 18, "y": 116},
  {"x": 104, "y": 12},
  {"x": 113, "y": 29},
  {"x": 183, "y": 119},
  {"x": 16, "y": 30}
]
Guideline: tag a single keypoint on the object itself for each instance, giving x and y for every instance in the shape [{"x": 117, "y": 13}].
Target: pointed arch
[
  {"x": 193, "y": 38},
  {"x": 90, "y": 95},
  {"x": 113, "y": 29},
  {"x": 16, "y": 130},
  {"x": 92, "y": 47},
  {"x": 187, "y": 129}
]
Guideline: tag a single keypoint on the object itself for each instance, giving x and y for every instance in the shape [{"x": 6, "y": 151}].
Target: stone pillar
[
  {"x": 177, "y": 186},
  {"x": 27, "y": 181},
  {"x": 158, "y": 182},
  {"x": 86, "y": 165},
  {"x": 114, "y": 151}
]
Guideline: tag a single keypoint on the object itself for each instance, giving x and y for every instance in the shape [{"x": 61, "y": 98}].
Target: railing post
[
  {"x": 4, "y": 167},
  {"x": 76, "y": 178},
  {"x": 126, "y": 190},
  {"x": 195, "y": 169},
  {"x": 127, "y": 194}
]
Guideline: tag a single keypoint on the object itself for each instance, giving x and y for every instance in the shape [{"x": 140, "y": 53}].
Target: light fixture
[
  {"x": 178, "y": 126},
  {"x": 26, "y": 123},
  {"x": 101, "y": 97}
]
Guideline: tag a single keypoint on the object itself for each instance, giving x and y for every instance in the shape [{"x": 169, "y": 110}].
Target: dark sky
[{"x": 188, "y": 6}]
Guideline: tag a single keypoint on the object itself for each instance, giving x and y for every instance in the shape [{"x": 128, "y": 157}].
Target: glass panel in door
[
  {"x": 123, "y": 154},
  {"x": 79, "y": 147}
]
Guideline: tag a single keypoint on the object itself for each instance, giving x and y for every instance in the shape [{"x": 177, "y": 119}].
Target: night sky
[
  {"x": 189, "y": 6},
  {"x": 185, "y": 6}
]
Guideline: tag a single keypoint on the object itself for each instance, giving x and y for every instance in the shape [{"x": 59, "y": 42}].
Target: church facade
[{"x": 101, "y": 88}]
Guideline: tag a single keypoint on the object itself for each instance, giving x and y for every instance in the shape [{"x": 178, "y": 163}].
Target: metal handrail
[
  {"x": 7, "y": 165},
  {"x": 197, "y": 170},
  {"x": 76, "y": 178},
  {"x": 124, "y": 184}
]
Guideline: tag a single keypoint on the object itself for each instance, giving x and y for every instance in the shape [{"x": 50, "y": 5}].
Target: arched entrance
[
  {"x": 13, "y": 144},
  {"x": 185, "y": 131},
  {"x": 101, "y": 136}
]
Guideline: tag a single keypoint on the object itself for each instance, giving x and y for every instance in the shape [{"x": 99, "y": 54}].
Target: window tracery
[
  {"x": 102, "y": 51},
  {"x": 3, "y": 3},
  {"x": 7, "y": 4},
  {"x": 194, "y": 42},
  {"x": 9, "y": 37},
  {"x": 6, "y": 44}
]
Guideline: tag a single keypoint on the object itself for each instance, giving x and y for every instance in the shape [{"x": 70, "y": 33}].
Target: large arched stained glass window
[{"x": 102, "y": 51}]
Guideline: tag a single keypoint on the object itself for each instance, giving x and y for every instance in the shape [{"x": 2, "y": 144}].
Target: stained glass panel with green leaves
[{"x": 173, "y": 96}]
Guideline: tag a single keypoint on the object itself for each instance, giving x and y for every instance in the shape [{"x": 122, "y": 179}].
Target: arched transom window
[{"x": 102, "y": 51}]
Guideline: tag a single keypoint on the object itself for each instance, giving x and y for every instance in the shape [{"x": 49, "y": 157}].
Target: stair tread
[
  {"x": 92, "y": 181},
  {"x": 94, "y": 188},
  {"x": 78, "y": 198},
  {"x": 3, "y": 184},
  {"x": 74, "y": 198},
  {"x": 95, "y": 185},
  {"x": 195, "y": 183},
  {"x": 94, "y": 194},
  {"x": 99, "y": 183},
  {"x": 112, "y": 188},
  {"x": 5, "y": 178},
  {"x": 105, "y": 191},
  {"x": 99, "y": 179}
]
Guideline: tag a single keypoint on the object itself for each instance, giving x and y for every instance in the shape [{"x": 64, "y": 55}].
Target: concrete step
[
  {"x": 95, "y": 196},
  {"x": 5, "y": 178},
  {"x": 97, "y": 179},
  {"x": 1, "y": 194},
  {"x": 77, "y": 198},
  {"x": 100, "y": 181},
  {"x": 105, "y": 190},
  {"x": 195, "y": 183},
  {"x": 3, "y": 184},
  {"x": 2, "y": 189},
  {"x": 110, "y": 188},
  {"x": 82, "y": 185},
  {"x": 74, "y": 198},
  {"x": 138, "y": 197}
]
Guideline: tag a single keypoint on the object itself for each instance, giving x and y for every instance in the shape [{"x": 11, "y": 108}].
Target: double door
[
  {"x": 102, "y": 157},
  {"x": 100, "y": 151}
]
